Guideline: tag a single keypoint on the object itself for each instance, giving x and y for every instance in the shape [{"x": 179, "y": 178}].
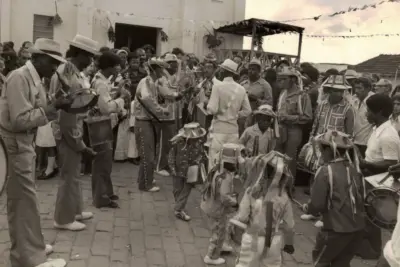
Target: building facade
[{"x": 135, "y": 22}]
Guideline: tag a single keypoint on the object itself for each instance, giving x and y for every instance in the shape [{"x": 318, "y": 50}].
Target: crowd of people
[{"x": 264, "y": 124}]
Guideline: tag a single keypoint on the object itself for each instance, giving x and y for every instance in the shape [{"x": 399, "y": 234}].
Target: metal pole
[{"x": 253, "y": 35}]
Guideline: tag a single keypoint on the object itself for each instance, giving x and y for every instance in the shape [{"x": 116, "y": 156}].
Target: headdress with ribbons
[{"x": 268, "y": 111}]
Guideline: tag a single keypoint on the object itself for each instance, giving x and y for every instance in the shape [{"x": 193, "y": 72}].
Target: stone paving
[{"x": 143, "y": 232}]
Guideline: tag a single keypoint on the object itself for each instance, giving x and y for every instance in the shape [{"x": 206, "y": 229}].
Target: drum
[
  {"x": 3, "y": 166},
  {"x": 381, "y": 203},
  {"x": 82, "y": 101},
  {"x": 100, "y": 133},
  {"x": 310, "y": 158},
  {"x": 202, "y": 117}
]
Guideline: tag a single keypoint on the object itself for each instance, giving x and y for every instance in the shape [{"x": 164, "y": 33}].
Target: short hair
[
  {"x": 380, "y": 103},
  {"x": 108, "y": 60},
  {"x": 365, "y": 82},
  {"x": 332, "y": 71},
  {"x": 310, "y": 71},
  {"x": 282, "y": 62},
  {"x": 132, "y": 55},
  {"x": 239, "y": 56},
  {"x": 270, "y": 75},
  {"x": 244, "y": 71},
  {"x": 177, "y": 51},
  {"x": 104, "y": 49}
]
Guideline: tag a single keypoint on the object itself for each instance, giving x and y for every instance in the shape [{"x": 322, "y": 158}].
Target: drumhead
[
  {"x": 3, "y": 166},
  {"x": 381, "y": 206},
  {"x": 83, "y": 100}
]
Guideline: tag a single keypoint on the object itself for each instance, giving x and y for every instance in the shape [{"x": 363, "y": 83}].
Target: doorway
[{"x": 134, "y": 37}]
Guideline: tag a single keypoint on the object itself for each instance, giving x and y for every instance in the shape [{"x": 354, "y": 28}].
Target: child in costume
[
  {"x": 265, "y": 213},
  {"x": 184, "y": 160},
  {"x": 338, "y": 193},
  {"x": 219, "y": 200},
  {"x": 265, "y": 130}
]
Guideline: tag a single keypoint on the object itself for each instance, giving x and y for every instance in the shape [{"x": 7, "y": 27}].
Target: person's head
[
  {"x": 310, "y": 71},
  {"x": 379, "y": 108},
  {"x": 26, "y": 45},
  {"x": 229, "y": 157},
  {"x": 264, "y": 121},
  {"x": 81, "y": 58},
  {"x": 24, "y": 56},
  {"x": 126, "y": 49},
  {"x": 281, "y": 65},
  {"x": 209, "y": 65},
  {"x": 362, "y": 87},
  {"x": 178, "y": 52},
  {"x": 149, "y": 50},
  {"x": 396, "y": 103},
  {"x": 172, "y": 62},
  {"x": 270, "y": 76},
  {"x": 91, "y": 69},
  {"x": 134, "y": 61},
  {"x": 157, "y": 67},
  {"x": 237, "y": 59},
  {"x": 333, "y": 145},
  {"x": 45, "y": 65},
  {"x": 123, "y": 56},
  {"x": 330, "y": 72},
  {"x": 244, "y": 74},
  {"x": 141, "y": 54},
  {"x": 254, "y": 70},
  {"x": 287, "y": 78},
  {"x": 383, "y": 86},
  {"x": 335, "y": 88},
  {"x": 228, "y": 69},
  {"x": 109, "y": 64},
  {"x": 104, "y": 49}
]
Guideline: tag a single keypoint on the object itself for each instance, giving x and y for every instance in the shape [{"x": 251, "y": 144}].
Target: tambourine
[{"x": 3, "y": 166}]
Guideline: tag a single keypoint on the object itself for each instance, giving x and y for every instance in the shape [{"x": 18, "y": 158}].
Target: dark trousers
[
  {"x": 168, "y": 129},
  {"x": 335, "y": 249},
  {"x": 382, "y": 262},
  {"x": 181, "y": 191},
  {"x": 102, "y": 187},
  {"x": 362, "y": 150},
  {"x": 86, "y": 158}
]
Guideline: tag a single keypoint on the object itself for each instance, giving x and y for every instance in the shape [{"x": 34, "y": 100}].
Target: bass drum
[
  {"x": 381, "y": 205},
  {"x": 3, "y": 166}
]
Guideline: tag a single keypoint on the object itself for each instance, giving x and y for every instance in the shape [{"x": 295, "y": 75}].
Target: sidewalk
[{"x": 143, "y": 232}]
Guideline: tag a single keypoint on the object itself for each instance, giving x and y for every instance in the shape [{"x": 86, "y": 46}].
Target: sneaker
[
  {"x": 182, "y": 216},
  {"x": 163, "y": 173},
  {"x": 226, "y": 248},
  {"x": 209, "y": 261},
  {"x": 154, "y": 189},
  {"x": 48, "y": 249},
  {"x": 308, "y": 217},
  {"x": 85, "y": 215},
  {"x": 74, "y": 226},
  {"x": 319, "y": 224},
  {"x": 114, "y": 197},
  {"x": 53, "y": 263}
]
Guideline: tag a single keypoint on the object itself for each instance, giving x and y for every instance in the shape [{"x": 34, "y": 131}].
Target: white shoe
[
  {"x": 85, "y": 215},
  {"x": 48, "y": 249},
  {"x": 53, "y": 263},
  {"x": 226, "y": 248},
  {"x": 319, "y": 224},
  {"x": 163, "y": 173},
  {"x": 308, "y": 217},
  {"x": 209, "y": 261},
  {"x": 154, "y": 189},
  {"x": 75, "y": 226}
]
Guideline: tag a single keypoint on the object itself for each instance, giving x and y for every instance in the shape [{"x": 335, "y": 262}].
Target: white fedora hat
[
  {"x": 86, "y": 44},
  {"x": 230, "y": 66},
  {"x": 47, "y": 47}
]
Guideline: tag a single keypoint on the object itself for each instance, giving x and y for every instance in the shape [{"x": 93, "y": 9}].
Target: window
[{"x": 42, "y": 27}]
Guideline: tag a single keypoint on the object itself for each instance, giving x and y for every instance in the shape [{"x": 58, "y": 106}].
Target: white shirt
[
  {"x": 392, "y": 248},
  {"x": 362, "y": 127},
  {"x": 384, "y": 144}
]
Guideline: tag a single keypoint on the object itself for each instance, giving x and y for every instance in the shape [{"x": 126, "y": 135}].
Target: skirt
[
  {"x": 122, "y": 146},
  {"x": 45, "y": 137}
]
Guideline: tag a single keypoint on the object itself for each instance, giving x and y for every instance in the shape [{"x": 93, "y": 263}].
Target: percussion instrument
[
  {"x": 202, "y": 116},
  {"x": 3, "y": 166},
  {"x": 100, "y": 133},
  {"x": 310, "y": 158},
  {"x": 381, "y": 202}
]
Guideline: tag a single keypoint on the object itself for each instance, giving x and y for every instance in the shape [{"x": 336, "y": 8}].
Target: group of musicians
[{"x": 163, "y": 99}]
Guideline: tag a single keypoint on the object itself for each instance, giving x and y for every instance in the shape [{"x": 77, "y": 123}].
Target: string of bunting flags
[
  {"x": 354, "y": 36},
  {"x": 350, "y": 9}
]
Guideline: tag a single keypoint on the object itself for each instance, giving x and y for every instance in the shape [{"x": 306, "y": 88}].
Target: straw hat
[
  {"x": 159, "y": 62},
  {"x": 265, "y": 110},
  {"x": 335, "y": 139},
  {"x": 337, "y": 82},
  {"x": 210, "y": 58},
  {"x": 86, "y": 44},
  {"x": 170, "y": 58},
  {"x": 47, "y": 47},
  {"x": 190, "y": 131},
  {"x": 229, "y": 65},
  {"x": 255, "y": 61},
  {"x": 230, "y": 152},
  {"x": 383, "y": 82},
  {"x": 351, "y": 74}
]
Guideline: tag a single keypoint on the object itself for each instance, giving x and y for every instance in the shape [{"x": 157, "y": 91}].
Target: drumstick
[
  {"x": 384, "y": 179},
  {"x": 297, "y": 203}
]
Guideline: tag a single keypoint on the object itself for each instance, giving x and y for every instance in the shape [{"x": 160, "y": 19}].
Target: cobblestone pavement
[{"x": 143, "y": 232}]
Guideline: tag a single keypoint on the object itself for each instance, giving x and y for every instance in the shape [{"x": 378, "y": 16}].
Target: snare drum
[
  {"x": 82, "y": 100},
  {"x": 100, "y": 133},
  {"x": 381, "y": 203},
  {"x": 310, "y": 157},
  {"x": 3, "y": 166}
]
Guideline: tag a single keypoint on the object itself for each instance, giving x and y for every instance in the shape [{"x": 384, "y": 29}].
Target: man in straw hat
[
  {"x": 205, "y": 86},
  {"x": 148, "y": 112},
  {"x": 228, "y": 103},
  {"x": 68, "y": 132},
  {"x": 294, "y": 112},
  {"x": 338, "y": 194},
  {"x": 23, "y": 109},
  {"x": 265, "y": 130},
  {"x": 185, "y": 159}
]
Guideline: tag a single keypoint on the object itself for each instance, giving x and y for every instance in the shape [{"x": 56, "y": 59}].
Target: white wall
[{"x": 186, "y": 29}]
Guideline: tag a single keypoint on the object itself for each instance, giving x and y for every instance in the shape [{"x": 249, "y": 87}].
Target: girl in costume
[
  {"x": 219, "y": 200},
  {"x": 338, "y": 193},
  {"x": 265, "y": 213},
  {"x": 184, "y": 159}
]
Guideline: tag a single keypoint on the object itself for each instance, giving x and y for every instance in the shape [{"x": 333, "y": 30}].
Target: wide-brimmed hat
[
  {"x": 230, "y": 153},
  {"x": 122, "y": 51},
  {"x": 47, "y": 47},
  {"x": 170, "y": 58},
  {"x": 86, "y": 44},
  {"x": 288, "y": 71},
  {"x": 335, "y": 139},
  {"x": 255, "y": 61},
  {"x": 383, "y": 82},
  {"x": 337, "y": 82},
  {"x": 265, "y": 110},
  {"x": 210, "y": 58},
  {"x": 351, "y": 74},
  {"x": 229, "y": 65},
  {"x": 190, "y": 131},
  {"x": 159, "y": 62}
]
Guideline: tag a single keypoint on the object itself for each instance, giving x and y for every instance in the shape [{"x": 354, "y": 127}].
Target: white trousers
[{"x": 217, "y": 141}]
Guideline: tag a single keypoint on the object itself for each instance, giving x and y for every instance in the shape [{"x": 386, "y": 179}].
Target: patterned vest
[{"x": 331, "y": 117}]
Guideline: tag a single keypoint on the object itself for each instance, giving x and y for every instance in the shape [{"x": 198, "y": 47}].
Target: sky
[{"x": 383, "y": 19}]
